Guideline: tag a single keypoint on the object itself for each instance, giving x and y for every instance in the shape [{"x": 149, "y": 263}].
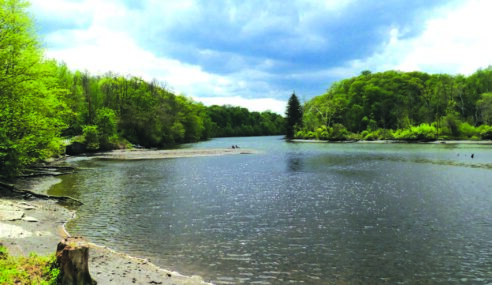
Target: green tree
[
  {"x": 293, "y": 116},
  {"x": 30, "y": 110},
  {"x": 484, "y": 106},
  {"x": 106, "y": 125},
  {"x": 91, "y": 137}
]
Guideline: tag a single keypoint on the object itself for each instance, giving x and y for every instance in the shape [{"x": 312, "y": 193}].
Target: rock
[
  {"x": 25, "y": 206},
  {"x": 72, "y": 256},
  {"x": 30, "y": 219},
  {"x": 10, "y": 215},
  {"x": 13, "y": 231},
  {"x": 42, "y": 233}
]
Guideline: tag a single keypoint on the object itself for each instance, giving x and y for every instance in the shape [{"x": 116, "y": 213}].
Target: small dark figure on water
[
  {"x": 472, "y": 155},
  {"x": 237, "y": 146},
  {"x": 233, "y": 147}
]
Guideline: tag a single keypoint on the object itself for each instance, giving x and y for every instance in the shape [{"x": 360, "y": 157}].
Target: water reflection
[{"x": 318, "y": 214}]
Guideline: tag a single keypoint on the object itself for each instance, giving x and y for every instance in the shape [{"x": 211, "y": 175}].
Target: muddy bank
[{"x": 28, "y": 224}]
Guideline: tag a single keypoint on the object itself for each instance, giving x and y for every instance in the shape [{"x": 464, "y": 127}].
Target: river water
[{"x": 298, "y": 213}]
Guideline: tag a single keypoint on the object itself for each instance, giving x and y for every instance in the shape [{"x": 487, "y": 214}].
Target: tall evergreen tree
[{"x": 294, "y": 115}]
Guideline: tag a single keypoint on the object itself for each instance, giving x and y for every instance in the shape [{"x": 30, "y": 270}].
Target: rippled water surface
[{"x": 298, "y": 212}]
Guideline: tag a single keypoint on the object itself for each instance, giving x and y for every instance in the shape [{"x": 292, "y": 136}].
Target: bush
[
  {"x": 33, "y": 269},
  {"x": 91, "y": 137},
  {"x": 423, "y": 132},
  {"x": 323, "y": 132},
  {"x": 310, "y": 135},
  {"x": 299, "y": 135},
  {"x": 339, "y": 133},
  {"x": 468, "y": 130},
  {"x": 364, "y": 134},
  {"x": 486, "y": 133},
  {"x": 372, "y": 136}
]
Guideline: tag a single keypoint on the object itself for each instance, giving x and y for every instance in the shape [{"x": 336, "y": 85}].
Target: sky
[{"x": 256, "y": 53}]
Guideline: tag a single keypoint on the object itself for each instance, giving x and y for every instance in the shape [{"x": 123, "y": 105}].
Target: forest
[
  {"x": 396, "y": 105},
  {"x": 45, "y": 105}
]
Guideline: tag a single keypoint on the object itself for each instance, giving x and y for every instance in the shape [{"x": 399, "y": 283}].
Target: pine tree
[{"x": 294, "y": 116}]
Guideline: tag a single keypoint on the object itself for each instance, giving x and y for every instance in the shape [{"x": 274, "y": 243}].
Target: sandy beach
[
  {"x": 174, "y": 153},
  {"x": 36, "y": 225}
]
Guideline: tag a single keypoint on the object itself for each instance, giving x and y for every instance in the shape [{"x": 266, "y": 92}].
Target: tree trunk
[{"x": 72, "y": 255}]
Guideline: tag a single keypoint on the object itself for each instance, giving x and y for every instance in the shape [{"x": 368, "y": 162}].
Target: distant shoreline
[{"x": 481, "y": 142}]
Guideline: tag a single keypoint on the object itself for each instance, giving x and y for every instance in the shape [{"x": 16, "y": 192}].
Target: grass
[{"x": 34, "y": 269}]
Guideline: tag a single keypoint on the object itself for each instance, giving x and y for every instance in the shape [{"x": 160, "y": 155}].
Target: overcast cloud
[{"x": 256, "y": 53}]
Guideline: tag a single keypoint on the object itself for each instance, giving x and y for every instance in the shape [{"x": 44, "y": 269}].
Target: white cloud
[
  {"x": 456, "y": 41},
  {"x": 257, "y": 104},
  {"x": 99, "y": 50},
  {"x": 104, "y": 42},
  {"x": 102, "y": 36}
]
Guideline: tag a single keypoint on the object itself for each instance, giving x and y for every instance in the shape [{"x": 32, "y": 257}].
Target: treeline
[
  {"x": 403, "y": 106},
  {"x": 45, "y": 105},
  {"x": 109, "y": 110},
  {"x": 229, "y": 121}
]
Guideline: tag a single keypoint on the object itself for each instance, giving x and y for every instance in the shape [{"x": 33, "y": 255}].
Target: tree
[
  {"x": 484, "y": 106},
  {"x": 30, "y": 112},
  {"x": 294, "y": 116},
  {"x": 106, "y": 125}
]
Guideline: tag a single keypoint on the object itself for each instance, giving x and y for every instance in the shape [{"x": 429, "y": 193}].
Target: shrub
[
  {"x": 299, "y": 134},
  {"x": 339, "y": 132},
  {"x": 468, "y": 130},
  {"x": 91, "y": 137},
  {"x": 486, "y": 133},
  {"x": 310, "y": 135},
  {"x": 423, "y": 132},
  {"x": 33, "y": 269},
  {"x": 371, "y": 136},
  {"x": 364, "y": 134}
]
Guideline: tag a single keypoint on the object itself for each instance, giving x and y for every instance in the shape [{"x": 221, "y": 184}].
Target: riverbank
[
  {"x": 135, "y": 154},
  {"x": 37, "y": 225},
  {"x": 481, "y": 142}
]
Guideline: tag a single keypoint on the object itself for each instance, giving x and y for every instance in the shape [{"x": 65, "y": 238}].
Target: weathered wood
[
  {"x": 43, "y": 196},
  {"x": 7, "y": 185},
  {"x": 12, "y": 188},
  {"x": 68, "y": 168},
  {"x": 72, "y": 256}
]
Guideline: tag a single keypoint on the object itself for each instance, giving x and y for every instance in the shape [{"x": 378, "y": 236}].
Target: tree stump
[{"x": 72, "y": 256}]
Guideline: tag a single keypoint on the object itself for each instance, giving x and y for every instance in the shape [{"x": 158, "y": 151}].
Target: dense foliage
[
  {"x": 45, "y": 105},
  {"x": 227, "y": 121},
  {"x": 402, "y": 105},
  {"x": 30, "y": 99},
  {"x": 112, "y": 110}
]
